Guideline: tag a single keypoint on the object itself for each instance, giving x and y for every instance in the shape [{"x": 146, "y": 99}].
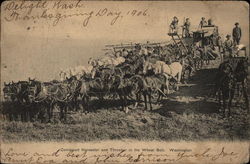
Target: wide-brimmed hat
[
  {"x": 228, "y": 36},
  {"x": 236, "y": 23}
]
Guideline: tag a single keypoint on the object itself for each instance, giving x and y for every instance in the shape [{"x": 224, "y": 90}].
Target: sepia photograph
[{"x": 119, "y": 77}]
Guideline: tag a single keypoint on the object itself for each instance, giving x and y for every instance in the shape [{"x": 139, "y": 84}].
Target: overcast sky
[{"x": 37, "y": 49}]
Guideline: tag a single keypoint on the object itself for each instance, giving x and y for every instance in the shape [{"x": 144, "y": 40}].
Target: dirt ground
[{"x": 188, "y": 114}]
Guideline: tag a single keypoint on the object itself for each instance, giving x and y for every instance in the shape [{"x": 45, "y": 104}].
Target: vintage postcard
[{"x": 124, "y": 82}]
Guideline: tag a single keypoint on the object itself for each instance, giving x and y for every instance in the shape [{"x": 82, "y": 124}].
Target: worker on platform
[
  {"x": 174, "y": 25},
  {"x": 210, "y": 22},
  {"x": 236, "y": 34},
  {"x": 203, "y": 22},
  {"x": 186, "y": 28},
  {"x": 228, "y": 46},
  {"x": 220, "y": 44},
  {"x": 220, "y": 47}
]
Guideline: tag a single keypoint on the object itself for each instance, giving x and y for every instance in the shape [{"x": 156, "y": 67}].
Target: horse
[
  {"x": 224, "y": 88},
  {"x": 9, "y": 92},
  {"x": 129, "y": 69},
  {"x": 143, "y": 51},
  {"x": 173, "y": 70},
  {"x": 122, "y": 86},
  {"x": 10, "y": 105},
  {"x": 104, "y": 84},
  {"x": 229, "y": 74},
  {"x": 105, "y": 74},
  {"x": 65, "y": 74},
  {"x": 241, "y": 72},
  {"x": 20, "y": 89},
  {"x": 17, "y": 94},
  {"x": 107, "y": 61},
  {"x": 50, "y": 94},
  {"x": 78, "y": 72},
  {"x": 148, "y": 86},
  {"x": 138, "y": 88},
  {"x": 188, "y": 66},
  {"x": 74, "y": 84},
  {"x": 84, "y": 93},
  {"x": 197, "y": 57},
  {"x": 41, "y": 94},
  {"x": 66, "y": 96}
]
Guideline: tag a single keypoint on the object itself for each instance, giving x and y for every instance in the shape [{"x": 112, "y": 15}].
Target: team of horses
[{"x": 136, "y": 75}]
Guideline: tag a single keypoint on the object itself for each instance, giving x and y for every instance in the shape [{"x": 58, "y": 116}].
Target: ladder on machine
[{"x": 176, "y": 37}]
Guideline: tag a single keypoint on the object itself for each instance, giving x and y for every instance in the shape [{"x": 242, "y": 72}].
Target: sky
[{"x": 37, "y": 49}]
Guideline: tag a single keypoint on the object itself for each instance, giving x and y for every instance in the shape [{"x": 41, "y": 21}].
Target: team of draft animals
[{"x": 140, "y": 72}]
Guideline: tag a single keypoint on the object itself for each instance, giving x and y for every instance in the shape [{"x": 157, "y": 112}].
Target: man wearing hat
[
  {"x": 220, "y": 46},
  {"x": 203, "y": 22},
  {"x": 228, "y": 45},
  {"x": 236, "y": 34},
  {"x": 174, "y": 25},
  {"x": 186, "y": 27},
  {"x": 210, "y": 22}
]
